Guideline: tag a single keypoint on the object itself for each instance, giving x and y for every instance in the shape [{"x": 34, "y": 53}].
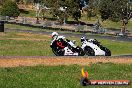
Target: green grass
[
  {"x": 18, "y": 27},
  {"x": 62, "y": 76},
  {"x": 118, "y": 48},
  {"x": 13, "y": 26},
  {"x": 24, "y": 48},
  {"x": 27, "y": 47},
  {"x": 106, "y": 23},
  {"x": 29, "y": 14},
  {"x": 32, "y": 13},
  {"x": 116, "y": 25}
]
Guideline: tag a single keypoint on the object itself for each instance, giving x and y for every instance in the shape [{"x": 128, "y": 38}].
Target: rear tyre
[
  {"x": 80, "y": 51},
  {"x": 58, "y": 52},
  {"x": 89, "y": 51}
]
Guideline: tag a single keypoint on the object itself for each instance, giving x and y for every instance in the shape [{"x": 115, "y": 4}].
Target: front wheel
[
  {"x": 89, "y": 51},
  {"x": 107, "y": 51}
]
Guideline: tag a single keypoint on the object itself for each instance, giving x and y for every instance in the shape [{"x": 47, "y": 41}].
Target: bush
[{"x": 10, "y": 9}]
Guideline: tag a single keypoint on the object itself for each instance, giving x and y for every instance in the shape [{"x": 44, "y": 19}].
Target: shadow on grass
[
  {"x": 24, "y": 11},
  {"x": 51, "y": 19},
  {"x": 79, "y": 22}
]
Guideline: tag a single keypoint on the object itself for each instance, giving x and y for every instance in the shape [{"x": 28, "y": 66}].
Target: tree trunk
[
  {"x": 123, "y": 29},
  {"x": 37, "y": 20}
]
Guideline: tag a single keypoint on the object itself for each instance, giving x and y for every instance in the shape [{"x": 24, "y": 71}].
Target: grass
[
  {"x": 28, "y": 44},
  {"x": 32, "y": 13},
  {"x": 13, "y": 26},
  {"x": 20, "y": 44},
  {"x": 28, "y": 14},
  {"x": 62, "y": 76},
  {"x": 116, "y": 25},
  {"x": 117, "y": 48},
  {"x": 106, "y": 23}
]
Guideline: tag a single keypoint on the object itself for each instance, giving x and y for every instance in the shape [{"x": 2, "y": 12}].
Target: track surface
[
  {"x": 11, "y": 61},
  {"x": 114, "y": 38}
]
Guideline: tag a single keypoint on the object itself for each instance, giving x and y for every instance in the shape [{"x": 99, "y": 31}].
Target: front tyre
[{"x": 107, "y": 51}]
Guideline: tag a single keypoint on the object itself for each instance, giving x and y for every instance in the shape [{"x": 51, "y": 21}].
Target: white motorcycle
[
  {"x": 92, "y": 47},
  {"x": 66, "y": 48}
]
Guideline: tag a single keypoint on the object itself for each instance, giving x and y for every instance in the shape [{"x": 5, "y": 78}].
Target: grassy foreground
[
  {"x": 28, "y": 44},
  {"x": 62, "y": 76}
]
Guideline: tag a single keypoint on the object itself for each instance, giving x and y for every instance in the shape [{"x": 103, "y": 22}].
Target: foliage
[
  {"x": 10, "y": 8},
  {"x": 114, "y": 10},
  {"x": 64, "y": 8},
  {"x": 90, "y": 9}
]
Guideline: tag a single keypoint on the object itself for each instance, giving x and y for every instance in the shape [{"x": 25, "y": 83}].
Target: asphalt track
[{"x": 67, "y": 34}]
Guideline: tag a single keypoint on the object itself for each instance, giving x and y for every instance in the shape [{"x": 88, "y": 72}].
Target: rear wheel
[
  {"x": 89, "y": 51},
  {"x": 80, "y": 51},
  {"x": 58, "y": 52}
]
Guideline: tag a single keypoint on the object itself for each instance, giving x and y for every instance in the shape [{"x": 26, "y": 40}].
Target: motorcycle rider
[
  {"x": 62, "y": 46},
  {"x": 55, "y": 36}
]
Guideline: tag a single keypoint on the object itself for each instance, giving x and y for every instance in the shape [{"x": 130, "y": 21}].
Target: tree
[
  {"x": 116, "y": 10},
  {"x": 10, "y": 9},
  {"x": 90, "y": 8},
  {"x": 64, "y": 8},
  {"x": 2, "y": 2}
]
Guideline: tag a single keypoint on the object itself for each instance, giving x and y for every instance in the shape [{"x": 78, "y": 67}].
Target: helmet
[
  {"x": 54, "y": 34},
  {"x": 83, "y": 38}
]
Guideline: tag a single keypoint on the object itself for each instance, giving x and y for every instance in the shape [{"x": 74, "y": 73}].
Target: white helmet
[
  {"x": 54, "y": 34},
  {"x": 83, "y": 38}
]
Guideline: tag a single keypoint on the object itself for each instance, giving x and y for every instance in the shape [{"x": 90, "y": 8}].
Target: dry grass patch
[
  {"x": 29, "y": 39},
  {"x": 54, "y": 61},
  {"x": 30, "y": 35}
]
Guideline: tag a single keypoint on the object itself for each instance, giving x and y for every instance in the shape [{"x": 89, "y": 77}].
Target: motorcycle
[
  {"x": 92, "y": 47},
  {"x": 66, "y": 48}
]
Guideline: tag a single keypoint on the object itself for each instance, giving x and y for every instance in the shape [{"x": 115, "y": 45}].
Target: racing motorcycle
[
  {"x": 66, "y": 48},
  {"x": 92, "y": 47}
]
